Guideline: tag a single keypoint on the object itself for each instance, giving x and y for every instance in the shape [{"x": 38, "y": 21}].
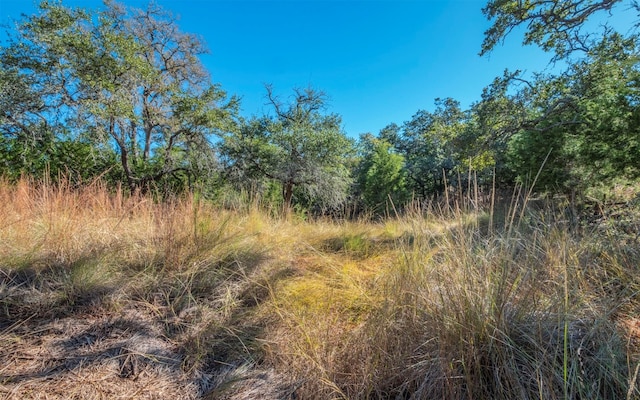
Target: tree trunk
[
  {"x": 287, "y": 194},
  {"x": 124, "y": 159},
  {"x": 148, "y": 127},
  {"x": 124, "y": 155}
]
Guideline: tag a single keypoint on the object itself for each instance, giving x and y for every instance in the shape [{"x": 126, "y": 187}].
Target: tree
[
  {"x": 521, "y": 122},
  {"x": 553, "y": 25},
  {"x": 608, "y": 83},
  {"x": 582, "y": 124},
  {"x": 299, "y": 147},
  {"x": 430, "y": 144},
  {"x": 381, "y": 175},
  {"x": 125, "y": 79}
]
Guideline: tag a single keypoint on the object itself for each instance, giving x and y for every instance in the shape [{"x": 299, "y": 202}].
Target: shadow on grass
[
  {"x": 57, "y": 291},
  {"x": 196, "y": 329},
  {"x": 225, "y": 355},
  {"x": 126, "y": 346}
]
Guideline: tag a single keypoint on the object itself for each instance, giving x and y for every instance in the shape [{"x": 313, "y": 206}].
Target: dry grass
[{"x": 104, "y": 295}]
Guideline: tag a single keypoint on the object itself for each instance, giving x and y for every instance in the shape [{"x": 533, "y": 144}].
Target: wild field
[{"x": 106, "y": 296}]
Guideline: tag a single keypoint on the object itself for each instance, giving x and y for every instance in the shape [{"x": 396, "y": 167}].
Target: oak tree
[
  {"x": 119, "y": 78},
  {"x": 299, "y": 146}
]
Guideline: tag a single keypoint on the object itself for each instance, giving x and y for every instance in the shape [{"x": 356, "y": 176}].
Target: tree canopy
[
  {"x": 121, "y": 93},
  {"x": 299, "y": 146},
  {"x": 125, "y": 79},
  {"x": 552, "y": 25},
  {"x": 381, "y": 175}
]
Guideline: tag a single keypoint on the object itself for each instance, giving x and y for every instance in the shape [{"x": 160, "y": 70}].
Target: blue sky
[{"x": 378, "y": 61}]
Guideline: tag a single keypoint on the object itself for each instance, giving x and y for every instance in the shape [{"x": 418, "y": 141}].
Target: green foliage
[
  {"x": 300, "y": 147},
  {"x": 52, "y": 158},
  {"x": 495, "y": 118},
  {"x": 531, "y": 152},
  {"x": 609, "y": 80},
  {"x": 122, "y": 93},
  {"x": 381, "y": 176},
  {"x": 432, "y": 144},
  {"x": 553, "y": 25},
  {"x": 585, "y": 120},
  {"x": 127, "y": 80}
]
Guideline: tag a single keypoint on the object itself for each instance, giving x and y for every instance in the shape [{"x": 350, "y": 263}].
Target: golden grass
[{"x": 106, "y": 295}]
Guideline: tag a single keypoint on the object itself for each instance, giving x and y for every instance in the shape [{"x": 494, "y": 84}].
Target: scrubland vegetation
[
  {"x": 154, "y": 243},
  {"x": 108, "y": 295}
]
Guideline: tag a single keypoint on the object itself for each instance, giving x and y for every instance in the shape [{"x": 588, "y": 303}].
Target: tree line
[{"x": 121, "y": 94}]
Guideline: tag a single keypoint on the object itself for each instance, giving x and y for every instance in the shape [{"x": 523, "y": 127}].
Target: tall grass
[
  {"x": 530, "y": 308},
  {"x": 454, "y": 301},
  {"x": 175, "y": 273}
]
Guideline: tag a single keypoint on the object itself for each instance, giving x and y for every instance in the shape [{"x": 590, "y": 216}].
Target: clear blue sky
[{"x": 379, "y": 61}]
